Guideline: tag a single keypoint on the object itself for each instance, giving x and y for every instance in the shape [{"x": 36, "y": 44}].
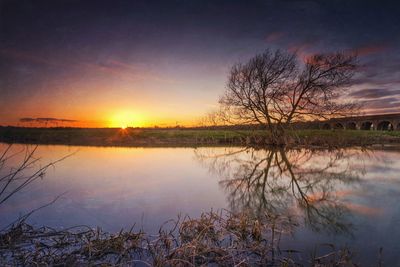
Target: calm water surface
[{"x": 346, "y": 198}]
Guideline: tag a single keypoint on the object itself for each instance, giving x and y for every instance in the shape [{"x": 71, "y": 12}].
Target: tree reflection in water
[{"x": 303, "y": 183}]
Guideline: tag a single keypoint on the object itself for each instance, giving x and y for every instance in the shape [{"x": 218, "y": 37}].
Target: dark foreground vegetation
[
  {"x": 214, "y": 239},
  {"x": 191, "y": 136}
]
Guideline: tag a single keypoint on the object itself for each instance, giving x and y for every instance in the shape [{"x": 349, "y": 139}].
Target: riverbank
[
  {"x": 137, "y": 137},
  {"x": 220, "y": 239}
]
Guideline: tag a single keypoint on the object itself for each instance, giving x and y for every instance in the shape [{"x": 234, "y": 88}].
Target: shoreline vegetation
[
  {"x": 192, "y": 137},
  {"x": 213, "y": 239}
]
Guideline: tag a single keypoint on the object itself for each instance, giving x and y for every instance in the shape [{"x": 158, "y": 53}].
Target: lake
[{"x": 348, "y": 197}]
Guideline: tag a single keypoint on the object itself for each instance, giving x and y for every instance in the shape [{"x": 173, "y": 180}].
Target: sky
[{"x": 165, "y": 63}]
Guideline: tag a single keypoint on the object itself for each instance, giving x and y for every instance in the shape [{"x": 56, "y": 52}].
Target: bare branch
[{"x": 275, "y": 89}]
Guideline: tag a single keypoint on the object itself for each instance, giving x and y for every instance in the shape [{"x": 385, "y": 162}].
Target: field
[{"x": 190, "y": 137}]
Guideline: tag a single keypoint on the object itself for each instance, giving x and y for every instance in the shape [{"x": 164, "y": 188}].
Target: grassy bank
[{"x": 189, "y": 137}]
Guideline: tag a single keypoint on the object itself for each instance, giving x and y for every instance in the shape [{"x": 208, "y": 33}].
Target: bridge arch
[
  {"x": 326, "y": 126},
  {"x": 338, "y": 125},
  {"x": 385, "y": 126},
  {"x": 367, "y": 125},
  {"x": 351, "y": 125}
]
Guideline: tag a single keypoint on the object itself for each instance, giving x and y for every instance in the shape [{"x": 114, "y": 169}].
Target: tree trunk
[{"x": 277, "y": 135}]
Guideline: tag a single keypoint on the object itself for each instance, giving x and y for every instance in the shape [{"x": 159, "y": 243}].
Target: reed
[{"x": 214, "y": 239}]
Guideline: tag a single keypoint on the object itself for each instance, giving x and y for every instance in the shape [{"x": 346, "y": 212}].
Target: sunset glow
[
  {"x": 125, "y": 119},
  {"x": 169, "y": 68}
]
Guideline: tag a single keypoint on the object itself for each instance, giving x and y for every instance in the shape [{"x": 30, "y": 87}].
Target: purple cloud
[{"x": 374, "y": 93}]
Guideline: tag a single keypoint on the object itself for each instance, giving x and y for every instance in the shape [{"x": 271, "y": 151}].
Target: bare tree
[{"x": 275, "y": 88}]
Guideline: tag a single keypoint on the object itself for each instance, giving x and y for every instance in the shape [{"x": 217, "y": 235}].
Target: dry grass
[{"x": 213, "y": 239}]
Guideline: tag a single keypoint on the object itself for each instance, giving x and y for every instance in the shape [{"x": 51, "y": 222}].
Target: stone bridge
[{"x": 383, "y": 122}]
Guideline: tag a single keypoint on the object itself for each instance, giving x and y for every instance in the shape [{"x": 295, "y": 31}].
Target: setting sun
[{"x": 123, "y": 120}]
